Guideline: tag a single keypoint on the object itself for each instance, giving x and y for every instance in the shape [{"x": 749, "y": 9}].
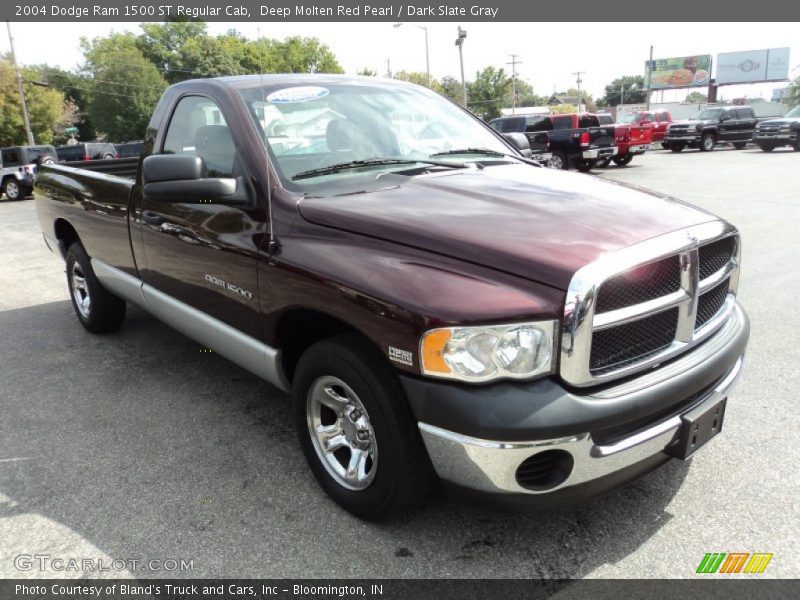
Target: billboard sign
[
  {"x": 681, "y": 72},
  {"x": 753, "y": 66}
]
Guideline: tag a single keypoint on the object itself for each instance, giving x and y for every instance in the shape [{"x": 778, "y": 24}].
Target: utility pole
[
  {"x": 649, "y": 77},
  {"x": 579, "y": 81},
  {"x": 514, "y": 62},
  {"x": 462, "y": 35},
  {"x": 31, "y": 141}
]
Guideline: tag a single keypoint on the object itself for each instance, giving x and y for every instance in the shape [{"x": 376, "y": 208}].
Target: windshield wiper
[
  {"x": 485, "y": 151},
  {"x": 370, "y": 162}
]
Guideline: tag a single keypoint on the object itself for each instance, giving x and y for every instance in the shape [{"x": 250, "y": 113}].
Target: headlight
[
  {"x": 478, "y": 354},
  {"x": 786, "y": 128}
]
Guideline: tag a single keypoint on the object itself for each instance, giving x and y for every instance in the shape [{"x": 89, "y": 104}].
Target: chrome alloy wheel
[
  {"x": 12, "y": 190},
  {"x": 341, "y": 433},
  {"x": 80, "y": 290}
]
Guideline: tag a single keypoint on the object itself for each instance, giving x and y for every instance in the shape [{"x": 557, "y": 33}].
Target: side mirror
[
  {"x": 182, "y": 179},
  {"x": 520, "y": 142},
  {"x": 724, "y": 118}
]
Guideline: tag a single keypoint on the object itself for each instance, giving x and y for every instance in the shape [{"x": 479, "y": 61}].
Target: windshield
[
  {"x": 633, "y": 118},
  {"x": 308, "y": 128},
  {"x": 707, "y": 114},
  {"x": 795, "y": 112}
]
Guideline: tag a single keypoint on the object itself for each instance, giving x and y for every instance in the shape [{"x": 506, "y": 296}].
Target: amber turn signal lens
[{"x": 433, "y": 345}]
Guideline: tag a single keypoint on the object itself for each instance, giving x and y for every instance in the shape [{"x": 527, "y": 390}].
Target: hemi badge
[{"x": 402, "y": 356}]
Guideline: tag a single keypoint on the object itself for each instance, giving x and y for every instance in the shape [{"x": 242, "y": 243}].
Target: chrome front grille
[{"x": 641, "y": 305}]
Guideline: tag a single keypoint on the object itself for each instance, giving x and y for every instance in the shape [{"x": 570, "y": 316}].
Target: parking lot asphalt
[{"x": 137, "y": 446}]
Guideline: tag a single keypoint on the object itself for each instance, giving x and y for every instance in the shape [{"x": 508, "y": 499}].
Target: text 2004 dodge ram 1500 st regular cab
[{"x": 440, "y": 309}]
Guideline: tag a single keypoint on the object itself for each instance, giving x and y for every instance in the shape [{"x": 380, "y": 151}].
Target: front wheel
[
  {"x": 796, "y": 144},
  {"x": 707, "y": 142},
  {"x": 739, "y": 145},
  {"x": 766, "y": 147},
  {"x": 676, "y": 146},
  {"x": 623, "y": 160},
  {"x": 98, "y": 310},
  {"x": 357, "y": 431}
]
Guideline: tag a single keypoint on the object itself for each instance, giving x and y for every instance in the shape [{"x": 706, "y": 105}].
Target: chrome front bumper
[
  {"x": 787, "y": 136},
  {"x": 490, "y": 466}
]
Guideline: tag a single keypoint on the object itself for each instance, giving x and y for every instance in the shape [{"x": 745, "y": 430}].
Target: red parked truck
[
  {"x": 629, "y": 139},
  {"x": 658, "y": 120}
]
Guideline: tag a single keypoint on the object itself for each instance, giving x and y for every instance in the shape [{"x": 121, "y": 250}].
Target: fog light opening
[{"x": 545, "y": 470}]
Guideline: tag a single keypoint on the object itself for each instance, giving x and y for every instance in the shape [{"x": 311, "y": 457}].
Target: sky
[{"x": 549, "y": 52}]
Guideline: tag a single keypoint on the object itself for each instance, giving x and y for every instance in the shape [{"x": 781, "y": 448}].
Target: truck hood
[
  {"x": 780, "y": 121},
  {"x": 540, "y": 224}
]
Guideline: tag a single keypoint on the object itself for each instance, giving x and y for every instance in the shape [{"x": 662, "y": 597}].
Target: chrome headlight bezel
[{"x": 546, "y": 332}]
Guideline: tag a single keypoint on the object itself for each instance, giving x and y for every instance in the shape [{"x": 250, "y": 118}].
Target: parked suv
[
  {"x": 18, "y": 165},
  {"x": 86, "y": 151},
  {"x": 735, "y": 124},
  {"x": 129, "y": 149},
  {"x": 783, "y": 131}
]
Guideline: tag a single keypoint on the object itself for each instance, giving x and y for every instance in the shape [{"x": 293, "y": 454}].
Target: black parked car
[
  {"x": 129, "y": 149},
  {"x": 783, "y": 131},
  {"x": 86, "y": 151},
  {"x": 735, "y": 124}
]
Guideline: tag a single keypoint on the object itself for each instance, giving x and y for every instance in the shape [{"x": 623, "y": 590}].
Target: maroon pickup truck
[{"x": 440, "y": 309}]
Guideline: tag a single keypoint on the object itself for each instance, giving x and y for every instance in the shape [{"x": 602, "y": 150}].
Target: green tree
[
  {"x": 46, "y": 108},
  {"x": 488, "y": 92},
  {"x": 525, "y": 95},
  {"x": 163, "y": 44},
  {"x": 76, "y": 88},
  {"x": 419, "y": 78},
  {"x": 125, "y": 86},
  {"x": 696, "y": 98},
  {"x": 367, "y": 72},
  {"x": 634, "y": 90},
  {"x": 451, "y": 87}
]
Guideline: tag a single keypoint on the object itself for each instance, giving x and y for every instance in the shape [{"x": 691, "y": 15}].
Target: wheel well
[
  {"x": 299, "y": 329},
  {"x": 66, "y": 233}
]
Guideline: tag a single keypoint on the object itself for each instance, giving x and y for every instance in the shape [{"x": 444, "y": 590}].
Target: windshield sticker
[{"x": 297, "y": 94}]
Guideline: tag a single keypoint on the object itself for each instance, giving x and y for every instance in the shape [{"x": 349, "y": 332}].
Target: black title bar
[{"x": 388, "y": 10}]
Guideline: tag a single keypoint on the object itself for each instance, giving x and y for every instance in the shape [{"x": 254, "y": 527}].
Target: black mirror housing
[{"x": 172, "y": 167}]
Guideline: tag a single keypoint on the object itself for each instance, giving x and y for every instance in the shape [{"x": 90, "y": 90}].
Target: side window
[
  {"x": 536, "y": 124},
  {"x": 588, "y": 121},
  {"x": 198, "y": 128},
  {"x": 10, "y": 158},
  {"x": 562, "y": 122},
  {"x": 745, "y": 113}
]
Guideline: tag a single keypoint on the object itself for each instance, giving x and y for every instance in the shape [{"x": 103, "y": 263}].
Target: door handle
[{"x": 152, "y": 218}]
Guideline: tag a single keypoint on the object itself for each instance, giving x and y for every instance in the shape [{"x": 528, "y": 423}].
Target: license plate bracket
[{"x": 698, "y": 426}]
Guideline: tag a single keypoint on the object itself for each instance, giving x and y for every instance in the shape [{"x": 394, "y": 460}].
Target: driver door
[{"x": 204, "y": 254}]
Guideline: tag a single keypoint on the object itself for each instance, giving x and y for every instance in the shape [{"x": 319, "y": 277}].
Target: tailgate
[
  {"x": 602, "y": 136},
  {"x": 641, "y": 135},
  {"x": 539, "y": 141}
]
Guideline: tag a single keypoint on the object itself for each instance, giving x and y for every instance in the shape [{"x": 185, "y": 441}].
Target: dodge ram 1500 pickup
[{"x": 440, "y": 309}]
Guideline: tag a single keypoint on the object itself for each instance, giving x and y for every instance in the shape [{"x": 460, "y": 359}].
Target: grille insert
[
  {"x": 619, "y": 346},
  {"x": 715, "y": 256},
  {"x": 710, "y": 303},
  {"x": 645, "y": 282}
]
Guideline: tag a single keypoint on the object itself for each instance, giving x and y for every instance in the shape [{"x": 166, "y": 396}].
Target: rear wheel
[
  {"x": 108, "y": 157},
  {"x": 559, "y": 161},
  {"x": 707, "y": 142},
  {"x": 767, "y": 147},
  {"x": 623, "y": 160},
  {"x": 602, "y": 164},
  {"x": 12, "y": 189},
  {"x": 739, "y": 145},
  {"x": 98, "y": 310},
  {"x": 357, "y": 431},
  {"x": 585, "y": 165},
  {"x": 676, "y": 146}
]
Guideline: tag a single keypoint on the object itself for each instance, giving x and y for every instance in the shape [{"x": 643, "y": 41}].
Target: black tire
[
  {"x": 12, "y": 189},
  {"x": 104, "y": 312},
  {"x": 623, "y": 160},
  {"x": 603, "y": 164},
  {"x": 677, "y": 147},
  {"x": 404, "y": 478},
  {"x": 108, "y": 157},
  {"x": 739, "y": 145},
  {"x": 559, "y": 161},
  {"x": 707, "y": 142},
  {"x": 796, "y": 144},
  {"x": 585, "y": 165},
  {"x": 766, "y": 147}
]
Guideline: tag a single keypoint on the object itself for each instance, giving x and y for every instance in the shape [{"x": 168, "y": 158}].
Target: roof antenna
[{"x": 272, "y": 247}]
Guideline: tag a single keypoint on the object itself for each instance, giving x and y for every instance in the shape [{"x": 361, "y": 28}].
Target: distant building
[{"x": 563, "y": 99}]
